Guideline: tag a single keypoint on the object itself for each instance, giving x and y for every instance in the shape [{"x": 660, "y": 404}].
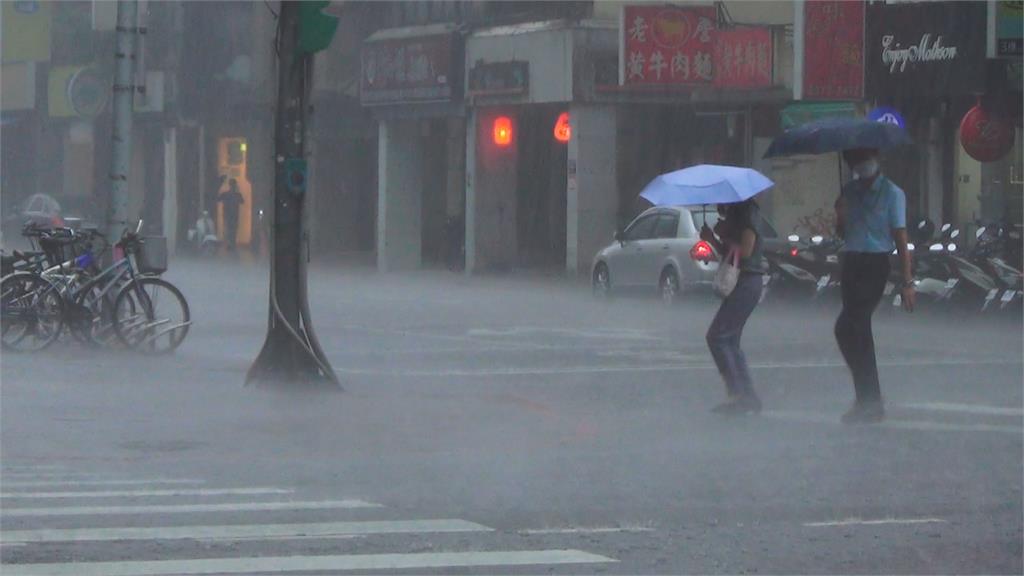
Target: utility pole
[
  {"x": 124, "y": 95},
  {"x": 291, "y": 355}
]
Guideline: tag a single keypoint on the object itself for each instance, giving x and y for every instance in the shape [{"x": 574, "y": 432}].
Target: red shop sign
[
  {"x": 834, "y": 50},
  {"x": 743, "y": 58},
  {"x": 665, "y": 45},
  {"x": 984, "y": 138}
]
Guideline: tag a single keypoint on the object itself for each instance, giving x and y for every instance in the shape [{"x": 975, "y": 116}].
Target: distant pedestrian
[
  {"x": 232, "y": 201},
  {"x": 871, "y": 216},
  {"x": 738, "y": 230}
]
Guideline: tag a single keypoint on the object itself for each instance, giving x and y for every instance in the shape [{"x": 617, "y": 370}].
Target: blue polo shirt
[{"x": 872, "y": 213}]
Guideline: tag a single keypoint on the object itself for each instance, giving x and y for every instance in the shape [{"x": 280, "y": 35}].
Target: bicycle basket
[{"x": 152, "y": 255}]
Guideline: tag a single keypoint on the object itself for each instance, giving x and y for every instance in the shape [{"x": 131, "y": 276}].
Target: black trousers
[{"x": 864, "y": 275}]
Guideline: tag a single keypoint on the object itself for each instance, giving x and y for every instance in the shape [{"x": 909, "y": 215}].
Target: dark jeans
[
  {"x": 863, "y": 282},
  {"x": 726, "y": 330}
]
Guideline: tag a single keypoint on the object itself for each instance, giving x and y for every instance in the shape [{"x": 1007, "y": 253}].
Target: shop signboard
[
  {"x": 26, "y": 31},
  {"x": 833, "y": 50},
  {"x": 925, "y": 49},
  {"x": 406, "y": 70},
  {"x": 985, "y": 137},
  {"x": 499, "y": 78},
  {"x": 743, "y": 57},
  {"x": 887, "y": 115},
  {"x": 667, "y": 45},
  {"x": 1010, "y": 28}
]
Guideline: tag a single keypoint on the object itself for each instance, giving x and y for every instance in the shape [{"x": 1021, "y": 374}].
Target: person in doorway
[
  {"x": 232, "y": 201},
  {"x": 871, "y": 216},
  {"x": 738, "y": 229}
]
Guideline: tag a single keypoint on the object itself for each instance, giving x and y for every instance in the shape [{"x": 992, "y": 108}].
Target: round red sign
[{"x": 986, "y": 139}]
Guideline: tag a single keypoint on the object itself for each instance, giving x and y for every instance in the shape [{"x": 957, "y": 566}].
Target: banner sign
[
  {"x": 833, "y": 50},
  {"x": 667, "y": 45},
  {"x": 743, "y": 58}
]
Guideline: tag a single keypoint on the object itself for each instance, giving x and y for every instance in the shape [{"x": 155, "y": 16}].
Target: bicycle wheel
[
  {"x": 31, "y": 312},
  {"x": 92, "y": 316},
  {"x": 151, "y": 315}
]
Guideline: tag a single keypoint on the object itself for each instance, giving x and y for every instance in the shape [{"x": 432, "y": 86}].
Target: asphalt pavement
[{"x": 511, "y": 425}]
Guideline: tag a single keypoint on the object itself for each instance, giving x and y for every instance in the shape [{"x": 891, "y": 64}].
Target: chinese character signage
[
  {"x": 833, "y": 50},
  {"x": 409, "y": 70},
  {"x": 743, "y": 58},
  {"x": 1009, "y": 27},
  {"x": 925, "y": 49},
  {"x": 665, "y": 45}
]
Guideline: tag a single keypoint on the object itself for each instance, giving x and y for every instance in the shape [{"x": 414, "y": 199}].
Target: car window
[
  {"x": 642, "y": 229},
  {"x": 702, "y": 216},
  {"x": 667, "y": 226}
]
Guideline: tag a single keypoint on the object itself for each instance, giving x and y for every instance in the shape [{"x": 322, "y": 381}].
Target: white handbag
[{"x": 728, "y": 274}]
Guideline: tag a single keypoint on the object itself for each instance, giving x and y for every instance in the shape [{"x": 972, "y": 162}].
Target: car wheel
[
  {"x": 669, "y": 286},
  {"x": 602, "y": 281}
]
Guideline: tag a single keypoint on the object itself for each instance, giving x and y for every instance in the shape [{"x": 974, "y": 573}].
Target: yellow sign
[{"x": 26, "y": 31}]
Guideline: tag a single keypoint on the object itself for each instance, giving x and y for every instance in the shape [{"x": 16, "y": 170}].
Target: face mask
[{"x": 866, "y": 169}]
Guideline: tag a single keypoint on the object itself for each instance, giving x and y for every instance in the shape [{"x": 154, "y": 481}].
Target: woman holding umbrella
[
  {"x": 738, "y": 237},
  {"x": 737, "y": 234}
]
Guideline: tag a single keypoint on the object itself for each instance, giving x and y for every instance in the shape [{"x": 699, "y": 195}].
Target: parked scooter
[
  {"x": 988, "y": 255},
  {"x": 203, "y": 237},
  {"x": 805, "y": 269}
]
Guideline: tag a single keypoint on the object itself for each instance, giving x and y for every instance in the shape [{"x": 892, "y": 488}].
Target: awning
[{"x": 797, "y": 114}]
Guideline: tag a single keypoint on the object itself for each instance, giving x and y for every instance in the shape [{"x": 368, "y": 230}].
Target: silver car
[{"x": 660, "y": 249}]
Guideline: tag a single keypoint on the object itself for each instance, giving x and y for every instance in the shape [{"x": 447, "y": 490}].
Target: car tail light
[
  {"x": 57, "y": 222},
  {"x": 702, "y": 252}
]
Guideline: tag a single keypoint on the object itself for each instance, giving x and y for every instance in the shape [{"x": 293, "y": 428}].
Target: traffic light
[{"x": 316, "y": 29}]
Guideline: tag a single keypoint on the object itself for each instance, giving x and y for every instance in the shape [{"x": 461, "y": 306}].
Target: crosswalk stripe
[
  {"x": 241, "y": 531},
  {"x": 282, "y": 564},
  {"x": 183, "y": 508},
  {"x": 142, "y": 493},
  {"x": 922, "y": 425},
  {"x": 74, "y": 483},
  {"x": 967, "y": 408},
  {"x": 30, "y": 467},
  {"x": 50, "y": 475}
]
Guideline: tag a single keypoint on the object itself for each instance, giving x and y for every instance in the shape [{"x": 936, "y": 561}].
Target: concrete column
[
  {"x": 491, "y": 181},
  {"x": 170, "y": 207},
  {"x": 592, "y": 198},
  {"x": 400, "y": 193}
]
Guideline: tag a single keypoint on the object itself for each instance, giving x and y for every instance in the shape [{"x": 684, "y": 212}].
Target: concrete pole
[{"x": 124, "y": 93}]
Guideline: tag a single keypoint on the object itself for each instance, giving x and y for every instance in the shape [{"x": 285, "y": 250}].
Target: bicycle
[{"x": 125, "y": 300}]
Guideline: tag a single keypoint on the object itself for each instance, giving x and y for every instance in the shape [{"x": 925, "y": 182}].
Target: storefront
[
  {"x": 926, "y": 62},
  {"x": 412, "y": 80},
  {"x": 670, "y": 88}
]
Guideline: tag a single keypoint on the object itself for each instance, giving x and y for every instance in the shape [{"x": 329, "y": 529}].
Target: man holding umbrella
[{"x": 871, "y": 216}]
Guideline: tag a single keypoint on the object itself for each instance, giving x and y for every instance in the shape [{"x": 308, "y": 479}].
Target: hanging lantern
[
  {"x": 503, "y": 131},
  {"x": 985, "y": 138},
  {"x": 563, "y": 131}
]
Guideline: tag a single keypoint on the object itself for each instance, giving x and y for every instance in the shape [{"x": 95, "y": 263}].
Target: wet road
[{"x": 497, "y": 425}]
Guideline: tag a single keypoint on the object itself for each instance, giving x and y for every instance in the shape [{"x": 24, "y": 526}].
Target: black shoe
[
  {"x": 865, "y": 413},
  {"x": 739, "y": 406}
]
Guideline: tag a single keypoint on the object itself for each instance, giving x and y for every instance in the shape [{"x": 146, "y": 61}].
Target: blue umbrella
[
  {"x": 705, "y": 184},
  {"x": 836, "y": 135}
]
